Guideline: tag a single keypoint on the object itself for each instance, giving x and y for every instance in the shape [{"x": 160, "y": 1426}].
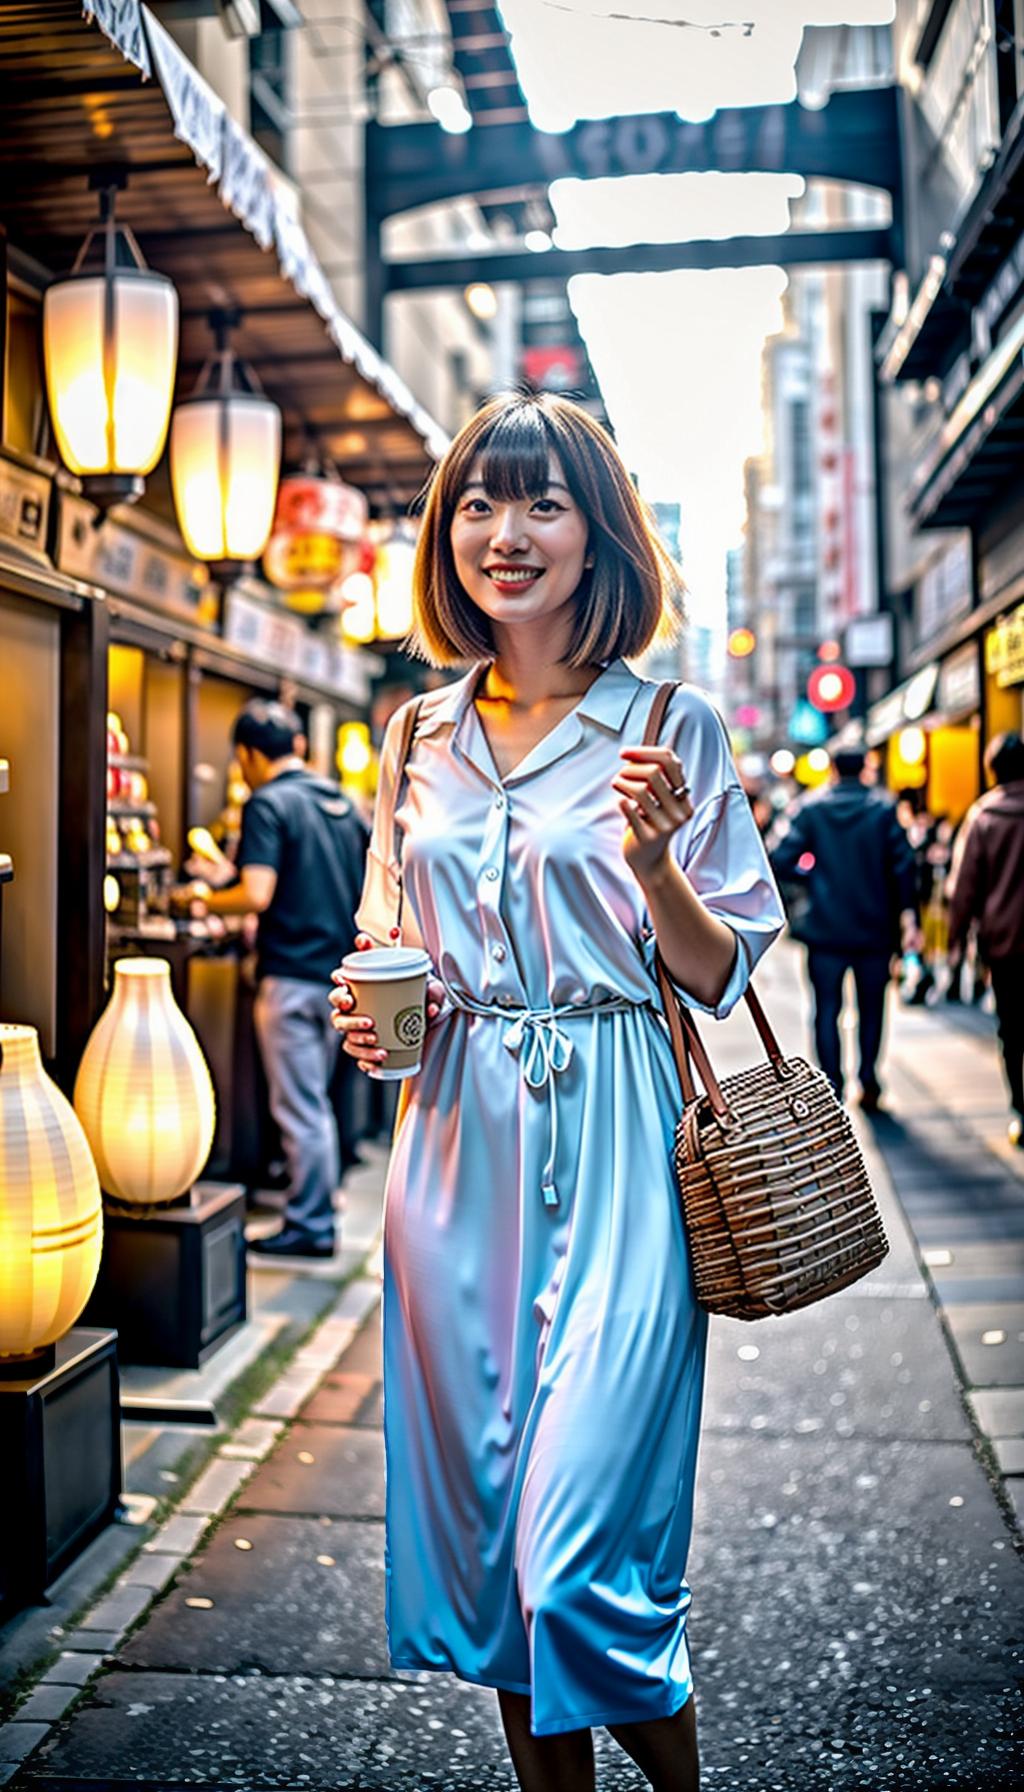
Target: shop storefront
[
  {"x": 123, "y": 658},
  {"x": 928, "y": 733}
]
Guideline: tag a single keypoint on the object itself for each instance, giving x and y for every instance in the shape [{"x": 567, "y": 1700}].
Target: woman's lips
[{"x": 513, "y": 576}]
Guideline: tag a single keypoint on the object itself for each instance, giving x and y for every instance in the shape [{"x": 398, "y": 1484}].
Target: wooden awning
[{"x": 111, "y": 89}]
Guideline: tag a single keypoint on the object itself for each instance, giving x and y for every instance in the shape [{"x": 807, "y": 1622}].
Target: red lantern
[{"x": 831, "y": 688}]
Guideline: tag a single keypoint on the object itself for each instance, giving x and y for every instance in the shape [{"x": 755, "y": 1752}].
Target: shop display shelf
[
  {"x": 118, "y": 806},
  {"x": 127, "y": 762},
  {"x": 153, "y": 860}
]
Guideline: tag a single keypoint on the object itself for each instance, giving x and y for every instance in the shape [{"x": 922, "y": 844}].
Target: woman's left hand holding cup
[{"x": 358, "y": 1033}]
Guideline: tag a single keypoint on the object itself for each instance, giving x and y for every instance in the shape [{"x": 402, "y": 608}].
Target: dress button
[
  {"x": 578, "y": 997},
  {"x": 491, "y": 874},
  {"x": 498, "y": 952},
  {"x": 499, "y": 800},
  {"x": 505, "y": 1001}
]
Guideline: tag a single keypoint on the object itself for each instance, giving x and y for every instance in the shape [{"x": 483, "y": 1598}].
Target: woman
[{"x": 543, "y": 1350}]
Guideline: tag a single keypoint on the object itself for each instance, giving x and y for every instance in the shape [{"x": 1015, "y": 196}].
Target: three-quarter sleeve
[{"x": 720, "y": 849}]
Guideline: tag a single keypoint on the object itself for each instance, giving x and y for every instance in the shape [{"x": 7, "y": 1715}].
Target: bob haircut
[{"x": 630, "y": 597}]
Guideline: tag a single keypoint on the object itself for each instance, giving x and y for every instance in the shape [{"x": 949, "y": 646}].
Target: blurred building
[
  {"x": 952, "y": 406},
  {"x": 809, "y": 552}
]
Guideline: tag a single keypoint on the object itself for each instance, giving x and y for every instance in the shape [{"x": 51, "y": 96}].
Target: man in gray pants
[{"x": 300, "y": 861}]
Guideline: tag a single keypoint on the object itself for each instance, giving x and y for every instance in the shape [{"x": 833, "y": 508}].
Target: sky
[{"x": 677, "y": 355}]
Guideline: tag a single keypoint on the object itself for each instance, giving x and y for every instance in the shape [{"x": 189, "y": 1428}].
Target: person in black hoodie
[
  {"x": 301, "y": 860},
  {"x": 844, "y": 848}
]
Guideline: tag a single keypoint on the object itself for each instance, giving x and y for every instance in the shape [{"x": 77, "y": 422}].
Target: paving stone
[
  {"x": 117, "y": 1609},
  {"x": 1009, "y": 1455},
  {"x": 345, "y": 1478},
  {"x": 999, "y": 1411},
  {"x": 989, "y": 1365},
  {"x": 851, "y": 1366},
  {"x": 72, "y": 1670},
  {"x": 18, "y": 1740},
  {"x": 276, "y": 1606},
  {"x": 217, "y": 1484},
  {"x": 253, "y": 1440},
  {"x": 92, "y": 1642},
  {"x": 47, "y": 1702},
  {"x": 344, "y": 1399},
  {"x": 178, "y": 1536},
  {"x": 153, "y": 1572}
]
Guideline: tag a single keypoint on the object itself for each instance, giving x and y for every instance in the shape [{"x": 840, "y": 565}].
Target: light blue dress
[{"x": 543, "y": 1350}]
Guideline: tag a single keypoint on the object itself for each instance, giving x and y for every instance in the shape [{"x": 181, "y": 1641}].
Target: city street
[{"x": 858, "y": 1592}]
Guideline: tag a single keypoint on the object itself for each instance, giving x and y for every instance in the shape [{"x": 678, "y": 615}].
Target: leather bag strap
[
  {"x": 405, "y": 740},
  {"x": 687, "y": 1045}
]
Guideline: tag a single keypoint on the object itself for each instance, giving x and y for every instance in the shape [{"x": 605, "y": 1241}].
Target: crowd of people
[{"x": 874, "y": 882}]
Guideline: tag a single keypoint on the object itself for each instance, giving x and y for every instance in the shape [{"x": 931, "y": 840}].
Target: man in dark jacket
[
  {"x": 845, "y": 848},
  {"x": 300, "y": 860},
  {"x": 988, "y": 887}
]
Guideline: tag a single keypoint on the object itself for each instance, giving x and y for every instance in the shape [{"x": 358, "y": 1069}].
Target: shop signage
[
  {"x": 132, "y": 566},
  {"x": 868, "y": 641},
  {"x": 959, "y": 688},
  {"x": 997, "y": 298},
  {"x": 1004, "y": 650},
  {"x": 287, "y": 646},
  {"x": 945, "y": 589},
  {"x": 24, "y": 505},
  {"x": 907, "y": 703}
]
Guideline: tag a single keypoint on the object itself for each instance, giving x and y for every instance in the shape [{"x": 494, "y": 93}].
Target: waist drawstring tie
[{"x": 544, "y": 1050}]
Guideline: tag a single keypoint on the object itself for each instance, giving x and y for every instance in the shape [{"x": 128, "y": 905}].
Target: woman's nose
[{"x": 508, "y": 531}]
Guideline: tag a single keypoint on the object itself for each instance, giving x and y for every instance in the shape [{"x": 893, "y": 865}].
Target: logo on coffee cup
[{"x": 410, "y": 1026}]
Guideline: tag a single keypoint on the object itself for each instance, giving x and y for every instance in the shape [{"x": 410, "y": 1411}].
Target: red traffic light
[{"x": 831, "y": 687}]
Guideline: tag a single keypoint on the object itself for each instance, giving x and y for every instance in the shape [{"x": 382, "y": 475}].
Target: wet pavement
[{"x": 858, "y": 1593}]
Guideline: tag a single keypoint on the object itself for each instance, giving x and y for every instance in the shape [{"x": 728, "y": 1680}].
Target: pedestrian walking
[
  {"x": 301, "y": 859},
  {"x": 988, "y": 887},
  {"x": 543, "y": 1350},
  {"x": 844, "y": 846}
]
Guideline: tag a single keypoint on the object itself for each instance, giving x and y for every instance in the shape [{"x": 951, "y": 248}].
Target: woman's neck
[{"x": 524, "y": 677}]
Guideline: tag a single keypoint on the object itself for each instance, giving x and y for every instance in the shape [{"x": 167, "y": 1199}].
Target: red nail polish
[{"x": 395, "y": 933}]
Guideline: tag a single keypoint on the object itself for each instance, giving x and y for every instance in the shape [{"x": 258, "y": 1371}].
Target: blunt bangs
[
  {"x": 514, "y": 454},
  {"x": 632, "y": 594}
]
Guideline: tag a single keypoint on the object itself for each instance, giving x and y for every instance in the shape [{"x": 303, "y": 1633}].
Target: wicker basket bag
[{"x": 775, "y": 1194}]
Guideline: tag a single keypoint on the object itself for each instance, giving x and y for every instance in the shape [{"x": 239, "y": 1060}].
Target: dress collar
[{"x": 607, "y": 701}]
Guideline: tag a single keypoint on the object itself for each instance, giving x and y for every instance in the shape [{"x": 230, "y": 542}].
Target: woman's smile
[{"x": 512, "y": 576}]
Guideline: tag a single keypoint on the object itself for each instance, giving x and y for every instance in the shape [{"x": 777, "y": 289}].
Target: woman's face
[{"x": 519, "y": 559}]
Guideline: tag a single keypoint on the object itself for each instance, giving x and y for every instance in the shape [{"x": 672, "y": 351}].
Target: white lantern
[
  {"x": 396, "y": 557},
  {"x": 110, "y": 345},
  {"x": 143, "y": 1092},
  {"x": 51, "y": 1220},
  {"x": 226, "y": 460}
]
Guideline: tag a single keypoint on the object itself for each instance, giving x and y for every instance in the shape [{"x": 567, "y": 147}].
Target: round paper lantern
[
  {"x": 143, "y": 1092},
  {"x": 225, "y": 458},
  {"x": 831, "y": 687},
  {"x": 51, "y": 1216}
]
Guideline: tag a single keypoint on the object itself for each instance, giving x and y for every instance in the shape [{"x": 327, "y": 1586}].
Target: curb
[{"x": 87, "y": 1648}]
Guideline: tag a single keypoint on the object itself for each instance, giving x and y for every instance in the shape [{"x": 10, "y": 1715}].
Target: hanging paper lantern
[
  {"x": 225, "y": 459},
  {"x": 143, "y": 1091},
  {"x": 51, "y": 1216},
  {"x": 318, "y": 527}
]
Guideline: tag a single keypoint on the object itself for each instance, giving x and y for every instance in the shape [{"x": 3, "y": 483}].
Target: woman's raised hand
[
  {"x": 655, "y": 802},
  {"x": 358, "y": 1034}
]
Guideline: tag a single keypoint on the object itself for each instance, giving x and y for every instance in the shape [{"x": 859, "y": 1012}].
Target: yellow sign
[{"x": 1004, "y": 650}]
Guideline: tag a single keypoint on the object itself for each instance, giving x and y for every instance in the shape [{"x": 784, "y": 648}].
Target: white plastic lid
[{"x": 383, "y": 963}]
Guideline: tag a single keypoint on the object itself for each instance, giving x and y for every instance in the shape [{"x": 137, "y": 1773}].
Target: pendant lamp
[
  {"x": 51, "y": 1217},
  {"x": 226, "y": 458},
  {"x": 143, "y": 1091},
  {"x": 110, "y": 347}
]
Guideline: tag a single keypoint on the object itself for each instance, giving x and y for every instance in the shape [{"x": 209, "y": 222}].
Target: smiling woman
[
  {"x": 543, "y": 1347},
  {"x": 529, "y": 488}
]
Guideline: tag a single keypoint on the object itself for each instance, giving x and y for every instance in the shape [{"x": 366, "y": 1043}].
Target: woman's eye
[
  {"x": 547, "y": 506},
  {"x": 475, "y": 507}
]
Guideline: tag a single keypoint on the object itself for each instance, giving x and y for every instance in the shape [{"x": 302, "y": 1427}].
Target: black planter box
[
  {"x": 172, "y": 1280},
  {"x": 60, "y": 1445}
]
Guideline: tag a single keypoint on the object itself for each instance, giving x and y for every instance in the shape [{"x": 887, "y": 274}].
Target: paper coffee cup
[{"x": 389, "y": 984}]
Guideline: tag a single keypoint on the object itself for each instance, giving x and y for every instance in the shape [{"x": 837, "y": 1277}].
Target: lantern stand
[{"x": 60, "y": 1441}]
